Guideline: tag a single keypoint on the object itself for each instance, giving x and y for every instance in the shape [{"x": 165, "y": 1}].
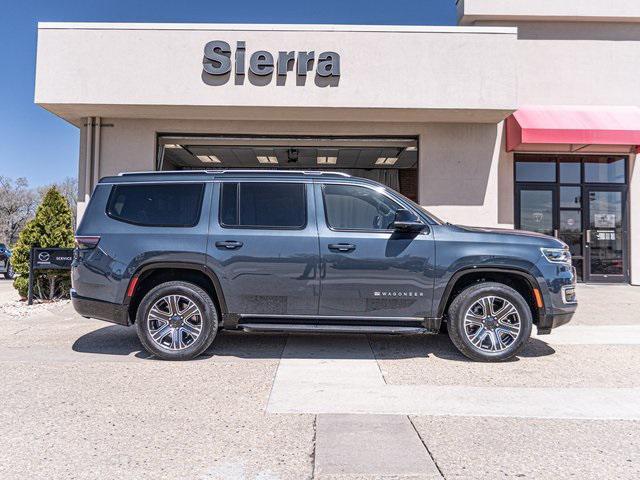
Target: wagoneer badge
[{"x": 398, "y": 294}]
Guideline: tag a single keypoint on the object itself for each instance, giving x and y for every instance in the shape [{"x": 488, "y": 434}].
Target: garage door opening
[{"x": 390, "y": 161}]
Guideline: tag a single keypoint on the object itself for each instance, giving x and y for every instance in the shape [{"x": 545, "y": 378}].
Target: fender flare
[
  {"x": 222, "y": 304},
  {"x": 533, "y": 283}
]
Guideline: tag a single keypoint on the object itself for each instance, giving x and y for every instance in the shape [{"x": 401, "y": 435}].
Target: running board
[{"x": 305, "y": 328}]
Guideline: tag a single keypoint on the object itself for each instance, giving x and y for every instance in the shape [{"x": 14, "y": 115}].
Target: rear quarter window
[
  {"x": 157, "y": 205},
  {"x": 271, "y": 205}
]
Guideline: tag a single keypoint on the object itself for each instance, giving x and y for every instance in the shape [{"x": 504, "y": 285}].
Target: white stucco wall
[
  {"x": 564, "y": 63},
  {"x": 381, "y": 67}
]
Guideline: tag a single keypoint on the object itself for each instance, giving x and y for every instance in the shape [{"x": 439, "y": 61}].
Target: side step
[{"x": 305, "y": 328}]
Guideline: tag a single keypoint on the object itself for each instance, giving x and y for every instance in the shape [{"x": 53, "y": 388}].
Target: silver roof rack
[{"x": 241, "y": 171}]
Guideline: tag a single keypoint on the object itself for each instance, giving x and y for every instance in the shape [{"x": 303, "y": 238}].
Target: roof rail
[
  {"x": 278, "y": 172},
  {"x": 240, "y": 170}
]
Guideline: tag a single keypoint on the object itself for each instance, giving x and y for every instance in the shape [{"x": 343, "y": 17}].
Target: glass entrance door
[
  {"x": 605, "y": 234},
  {"x": 554, "y": 211},
  {"x": 582, "y": 201}
]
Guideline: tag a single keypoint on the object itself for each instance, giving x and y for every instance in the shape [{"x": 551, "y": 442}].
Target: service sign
[{"x": 52, "y": 258}]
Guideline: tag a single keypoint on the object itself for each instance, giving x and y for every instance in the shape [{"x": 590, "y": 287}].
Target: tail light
[{"x": 84, "y": 241}]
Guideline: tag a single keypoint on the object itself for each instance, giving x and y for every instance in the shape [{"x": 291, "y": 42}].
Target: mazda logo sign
[{"x": 44, "y": 256}]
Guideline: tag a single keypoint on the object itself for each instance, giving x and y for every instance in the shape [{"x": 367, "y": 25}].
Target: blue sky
[{"x": 42, "y": 147}]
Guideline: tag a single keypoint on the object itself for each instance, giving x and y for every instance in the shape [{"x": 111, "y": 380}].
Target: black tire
[
  {"x": 466, "y": 300},
  {"x": 10, "y": 273},
  {"x": 207, "y": 319}
]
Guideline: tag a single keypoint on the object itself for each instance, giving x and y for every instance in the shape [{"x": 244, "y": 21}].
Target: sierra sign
[{"x": 217, "y": 61}]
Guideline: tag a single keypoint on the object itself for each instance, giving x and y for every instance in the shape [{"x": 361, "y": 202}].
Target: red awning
[{"x": 535, "y": 128}]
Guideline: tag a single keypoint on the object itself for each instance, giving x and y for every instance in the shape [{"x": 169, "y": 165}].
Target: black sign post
[{"x": 47, "y": 259}]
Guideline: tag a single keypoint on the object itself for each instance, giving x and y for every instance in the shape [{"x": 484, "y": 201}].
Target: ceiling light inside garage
[
  {"x": 267, "y": 159},
  {"x": 172, "y": 145},
  {"x": 208, "y": 159},
  {"x": 327, "y": 160},
  {"x": 386, "y": 160}
]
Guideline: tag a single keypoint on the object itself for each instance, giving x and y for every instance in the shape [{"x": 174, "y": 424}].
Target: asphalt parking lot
[{"x": 81, "y": 400}]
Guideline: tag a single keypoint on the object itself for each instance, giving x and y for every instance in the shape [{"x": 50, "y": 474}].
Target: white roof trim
[{"x": 274, "y": 27}]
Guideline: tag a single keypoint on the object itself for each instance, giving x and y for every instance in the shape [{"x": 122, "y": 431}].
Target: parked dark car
[
  {"x": 6, "y": 268},
  {"x": 181, "y": 255}
]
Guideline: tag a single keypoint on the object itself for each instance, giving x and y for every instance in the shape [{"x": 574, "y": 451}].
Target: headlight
[{"x": 557, "y": 255}]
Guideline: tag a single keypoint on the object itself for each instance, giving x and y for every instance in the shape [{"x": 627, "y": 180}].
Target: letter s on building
[{"x": 217, "y": 58}]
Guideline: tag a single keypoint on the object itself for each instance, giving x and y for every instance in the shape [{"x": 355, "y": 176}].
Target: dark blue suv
[{"x": 184, "y": 254}]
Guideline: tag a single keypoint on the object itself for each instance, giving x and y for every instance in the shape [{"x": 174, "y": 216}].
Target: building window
[
  {"x": 605, "y": 170},
  {"x": 535, "y": 171}
]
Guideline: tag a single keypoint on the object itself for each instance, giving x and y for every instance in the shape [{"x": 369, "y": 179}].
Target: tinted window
[
  {"x": 162, "y": 205},
  {"x": 263, "y": 205},
  {"x": 229, "y": 204},
  {"x": 350, "y": 207},
  {"x": 535, "y": 171},
  {"x": 570, "y": 197},
  {"x": 569, "y": 171},
  {"x": 604, "y": 170},
  {"x": 536, "y": 211}
]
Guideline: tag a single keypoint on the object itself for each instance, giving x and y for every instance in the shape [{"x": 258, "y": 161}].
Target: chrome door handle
[
  {"x": 342, "y": 247},
  {"x": 555, "y": 233},
  {"x": 588, "y": 237},
  {"x": 229, "y": 244}
]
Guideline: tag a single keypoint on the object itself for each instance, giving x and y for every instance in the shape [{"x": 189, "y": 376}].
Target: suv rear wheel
[
  {"x": 489, "y": 322},
  {"x": 176, "y": 321}
]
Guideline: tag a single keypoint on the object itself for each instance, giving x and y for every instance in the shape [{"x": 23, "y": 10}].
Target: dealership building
[{"x": 525, "y": 115}]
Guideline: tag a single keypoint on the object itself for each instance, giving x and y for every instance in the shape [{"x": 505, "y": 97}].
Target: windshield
[
  {"x": 2, "y": 246},
  {"x": 420, "y": 208}
]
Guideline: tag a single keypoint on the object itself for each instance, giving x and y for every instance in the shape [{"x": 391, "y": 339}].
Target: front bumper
[
  {"x": 555, "y": 284},
  {"x": 549, "y": 322},
  {"x": 99, "y": 309}
]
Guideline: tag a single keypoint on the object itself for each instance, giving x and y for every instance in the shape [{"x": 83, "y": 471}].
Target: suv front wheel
[
  {"x": 489, "y": 322},
  {"x": 176, "y": 321}
]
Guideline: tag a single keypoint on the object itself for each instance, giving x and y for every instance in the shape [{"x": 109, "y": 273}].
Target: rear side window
[
  {"x": 161, "y": 205},
  {"x": 263, "y": 205}
]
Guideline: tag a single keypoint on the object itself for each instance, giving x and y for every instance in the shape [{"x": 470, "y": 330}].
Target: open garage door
[{"x": 391, "y": 161}]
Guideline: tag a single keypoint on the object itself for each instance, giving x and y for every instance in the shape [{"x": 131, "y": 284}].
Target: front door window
[{"x": 581, "y": 201}]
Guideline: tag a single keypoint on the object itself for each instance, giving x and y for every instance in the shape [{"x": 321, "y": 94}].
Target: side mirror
[{"x": 407, "y": 221}]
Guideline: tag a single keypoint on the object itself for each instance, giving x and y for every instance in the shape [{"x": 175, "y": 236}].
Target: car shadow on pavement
[
  {"x": 120, "y": 340},
  {"x": 111, "y": 340},
  {"x": 440, "y": 346}
]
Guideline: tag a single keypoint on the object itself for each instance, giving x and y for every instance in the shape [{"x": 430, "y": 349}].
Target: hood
[{"x": 544, "y": 240}]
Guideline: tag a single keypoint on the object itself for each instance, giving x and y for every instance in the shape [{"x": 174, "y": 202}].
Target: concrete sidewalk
[
  {"x": 81, "y": 399},
  {"x": 7, "y": 292}
]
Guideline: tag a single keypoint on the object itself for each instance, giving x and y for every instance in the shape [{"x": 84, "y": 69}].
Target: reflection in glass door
[{"x": 605, "y": 234}]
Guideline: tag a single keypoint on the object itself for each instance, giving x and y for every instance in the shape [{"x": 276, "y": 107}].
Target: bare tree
[{"x": 17, "y": 205}]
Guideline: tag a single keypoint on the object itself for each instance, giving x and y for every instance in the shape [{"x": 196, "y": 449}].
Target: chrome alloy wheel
[
  {"x": 174, "y": 322},
  {"x": 492, "y": 324}
]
